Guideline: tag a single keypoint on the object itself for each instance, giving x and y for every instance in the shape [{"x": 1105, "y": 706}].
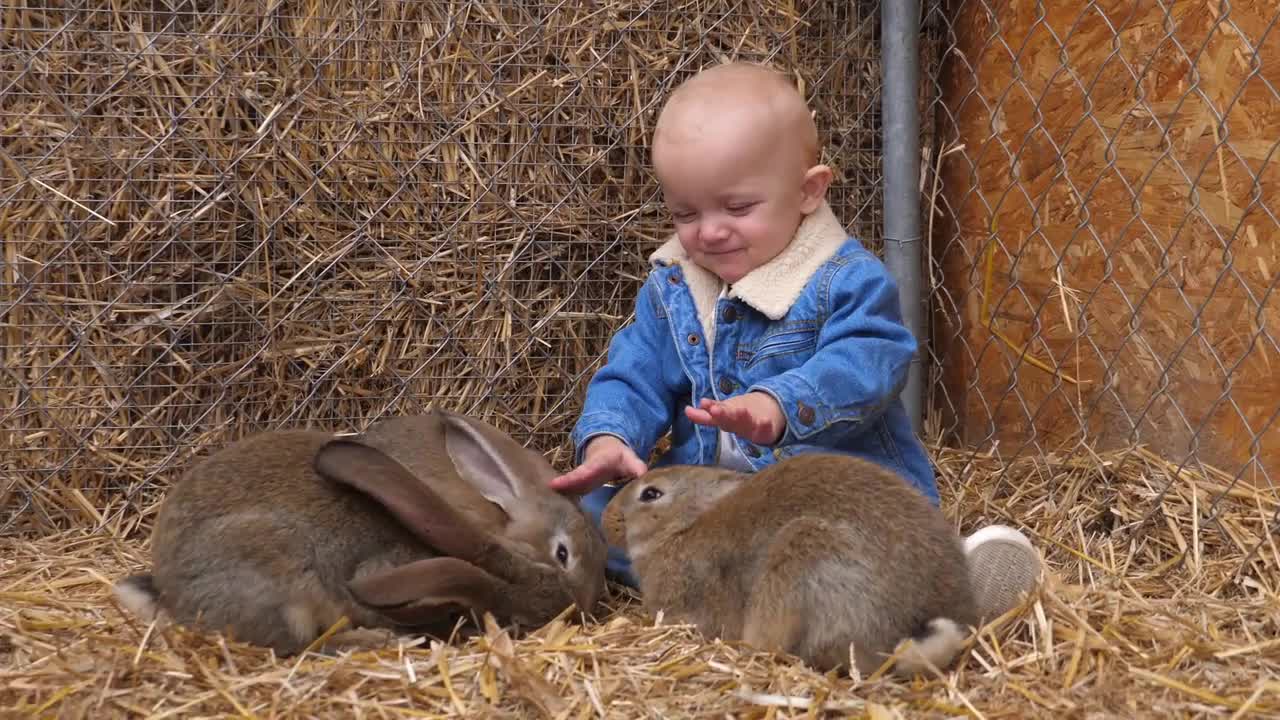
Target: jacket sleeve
[
  {"x": 859, "y": 366},
  {"x": 632, "y": 396}
]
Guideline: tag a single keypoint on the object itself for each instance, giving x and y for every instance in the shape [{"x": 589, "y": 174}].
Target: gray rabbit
[
  {"x": 278, "y": 535},
  {"x": 808, "y": 556}
]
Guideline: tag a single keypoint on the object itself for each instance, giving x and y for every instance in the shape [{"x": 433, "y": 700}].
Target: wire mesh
[
  {"x": 1102, "y": 199},
  {"x": 223, "y": 216}
]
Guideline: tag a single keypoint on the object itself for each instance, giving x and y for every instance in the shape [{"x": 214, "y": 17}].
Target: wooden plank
[{"x": 1092, "y": 146}]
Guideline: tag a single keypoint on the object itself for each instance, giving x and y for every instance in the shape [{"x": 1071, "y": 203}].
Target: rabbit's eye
[
  {"x": 650, "y": 494},
  {"x": 562, "y": 554}
]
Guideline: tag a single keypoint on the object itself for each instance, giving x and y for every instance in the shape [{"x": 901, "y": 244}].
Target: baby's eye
[
  {"x": 740, "y": 208},
  {"x": 683, "y": 216}
]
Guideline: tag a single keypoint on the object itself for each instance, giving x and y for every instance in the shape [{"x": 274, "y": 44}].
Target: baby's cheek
[
  {"x": 774, "y": 235},
  {"x": 761, "y": 245}
]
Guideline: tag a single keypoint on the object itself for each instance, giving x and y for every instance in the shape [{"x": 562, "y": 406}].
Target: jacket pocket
[{"x": 790, "y": 340}]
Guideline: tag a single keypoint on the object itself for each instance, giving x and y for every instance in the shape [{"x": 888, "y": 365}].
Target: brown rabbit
[
  {"x": 806, "y": 557},
  {"x": 421, "y": 518}
]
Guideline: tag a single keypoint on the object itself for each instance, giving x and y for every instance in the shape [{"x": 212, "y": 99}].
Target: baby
[{"x": 785, "y": 331}]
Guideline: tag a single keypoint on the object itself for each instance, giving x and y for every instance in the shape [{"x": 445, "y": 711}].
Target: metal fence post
[{"x": 900, "y": 66}]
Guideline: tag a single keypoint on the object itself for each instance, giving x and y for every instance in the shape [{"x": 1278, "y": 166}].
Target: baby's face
[{"x": 735, "y": 206}]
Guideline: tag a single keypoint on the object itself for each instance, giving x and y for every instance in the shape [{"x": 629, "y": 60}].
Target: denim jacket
[{"x": 819, "y": 328}]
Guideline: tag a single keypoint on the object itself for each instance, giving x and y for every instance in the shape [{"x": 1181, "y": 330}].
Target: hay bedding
[{"x": 1152, "y": 624}]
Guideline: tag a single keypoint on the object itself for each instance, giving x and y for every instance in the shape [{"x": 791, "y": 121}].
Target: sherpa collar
[{"x": 771, "y": 288}]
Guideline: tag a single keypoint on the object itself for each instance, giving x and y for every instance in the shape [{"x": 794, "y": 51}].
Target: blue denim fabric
[{"x": 835, "y": 362}]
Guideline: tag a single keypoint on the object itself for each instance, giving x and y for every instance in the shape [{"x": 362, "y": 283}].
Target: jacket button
[
  {"x": 730, "y": 314},
  {"x": 726, "y": 385},
  {"x": 674, "y": 278},
  {"x": 805, "y": 413},
  {"x": 753, "y": 451},
  {"x": 693, "y": 338}
]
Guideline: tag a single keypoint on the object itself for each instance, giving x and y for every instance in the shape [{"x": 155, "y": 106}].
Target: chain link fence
[
  {"x": 1101, "y": 195},
  {"x": 223, "y": 216}
]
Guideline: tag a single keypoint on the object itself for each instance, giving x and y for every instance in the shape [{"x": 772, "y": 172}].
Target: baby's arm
[
  {"x": 629, "y": 398},
  {"x": 860, "y": 365}
]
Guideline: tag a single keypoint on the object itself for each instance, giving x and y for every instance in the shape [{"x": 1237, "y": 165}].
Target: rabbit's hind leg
[
  {"x": 256, "y": 608},
  {"x": 798, "y": 606},
  {"x": 267, "y": 593}
]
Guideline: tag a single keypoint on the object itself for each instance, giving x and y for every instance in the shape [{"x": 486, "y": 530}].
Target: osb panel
[{"x": 1130, "y": 235}]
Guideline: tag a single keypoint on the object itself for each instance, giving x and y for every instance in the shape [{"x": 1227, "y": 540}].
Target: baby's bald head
[
  {"x": 745, "y": 99},
  {"x": 736, "y": 153}
]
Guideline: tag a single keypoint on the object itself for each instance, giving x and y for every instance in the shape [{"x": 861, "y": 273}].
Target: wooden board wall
[{"x": 1089, "y": 137}]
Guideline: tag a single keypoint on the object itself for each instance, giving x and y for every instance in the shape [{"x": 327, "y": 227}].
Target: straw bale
[
  {"x": 1105, "y": 229},
  {"x": 1157, "y": 627},
  {"x": 219, "y": 218}
]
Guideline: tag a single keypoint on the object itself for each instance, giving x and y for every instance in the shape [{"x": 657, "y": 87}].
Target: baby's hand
[
  {"x": 606, "y": 458},
  {"x": 754, "y": 416}
]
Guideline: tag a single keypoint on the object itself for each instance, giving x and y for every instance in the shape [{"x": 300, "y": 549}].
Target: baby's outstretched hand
[
  {"x": 754, "y": 416},
  {"x": 606, "y": 458}
]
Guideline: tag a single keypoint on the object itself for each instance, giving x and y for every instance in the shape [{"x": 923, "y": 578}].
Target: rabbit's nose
[{"x": 586, "y": 597}]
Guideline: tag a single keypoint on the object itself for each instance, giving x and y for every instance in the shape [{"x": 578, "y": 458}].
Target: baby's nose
[{"x": 714, "y": 231}]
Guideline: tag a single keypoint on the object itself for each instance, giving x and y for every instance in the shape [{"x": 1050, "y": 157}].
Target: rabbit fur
[
  {"x": 808, "y": 556},
  {"x": 422, "y": 518}
]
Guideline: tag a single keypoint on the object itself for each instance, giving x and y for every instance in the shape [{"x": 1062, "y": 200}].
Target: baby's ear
[{"x": 816, "y": 181}]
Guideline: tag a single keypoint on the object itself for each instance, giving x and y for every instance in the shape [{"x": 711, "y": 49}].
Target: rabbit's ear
[
  {"x": 426, "y": 514},
  {"x": 421, "y": 591},
  {"x": 496, "y": 474}
]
